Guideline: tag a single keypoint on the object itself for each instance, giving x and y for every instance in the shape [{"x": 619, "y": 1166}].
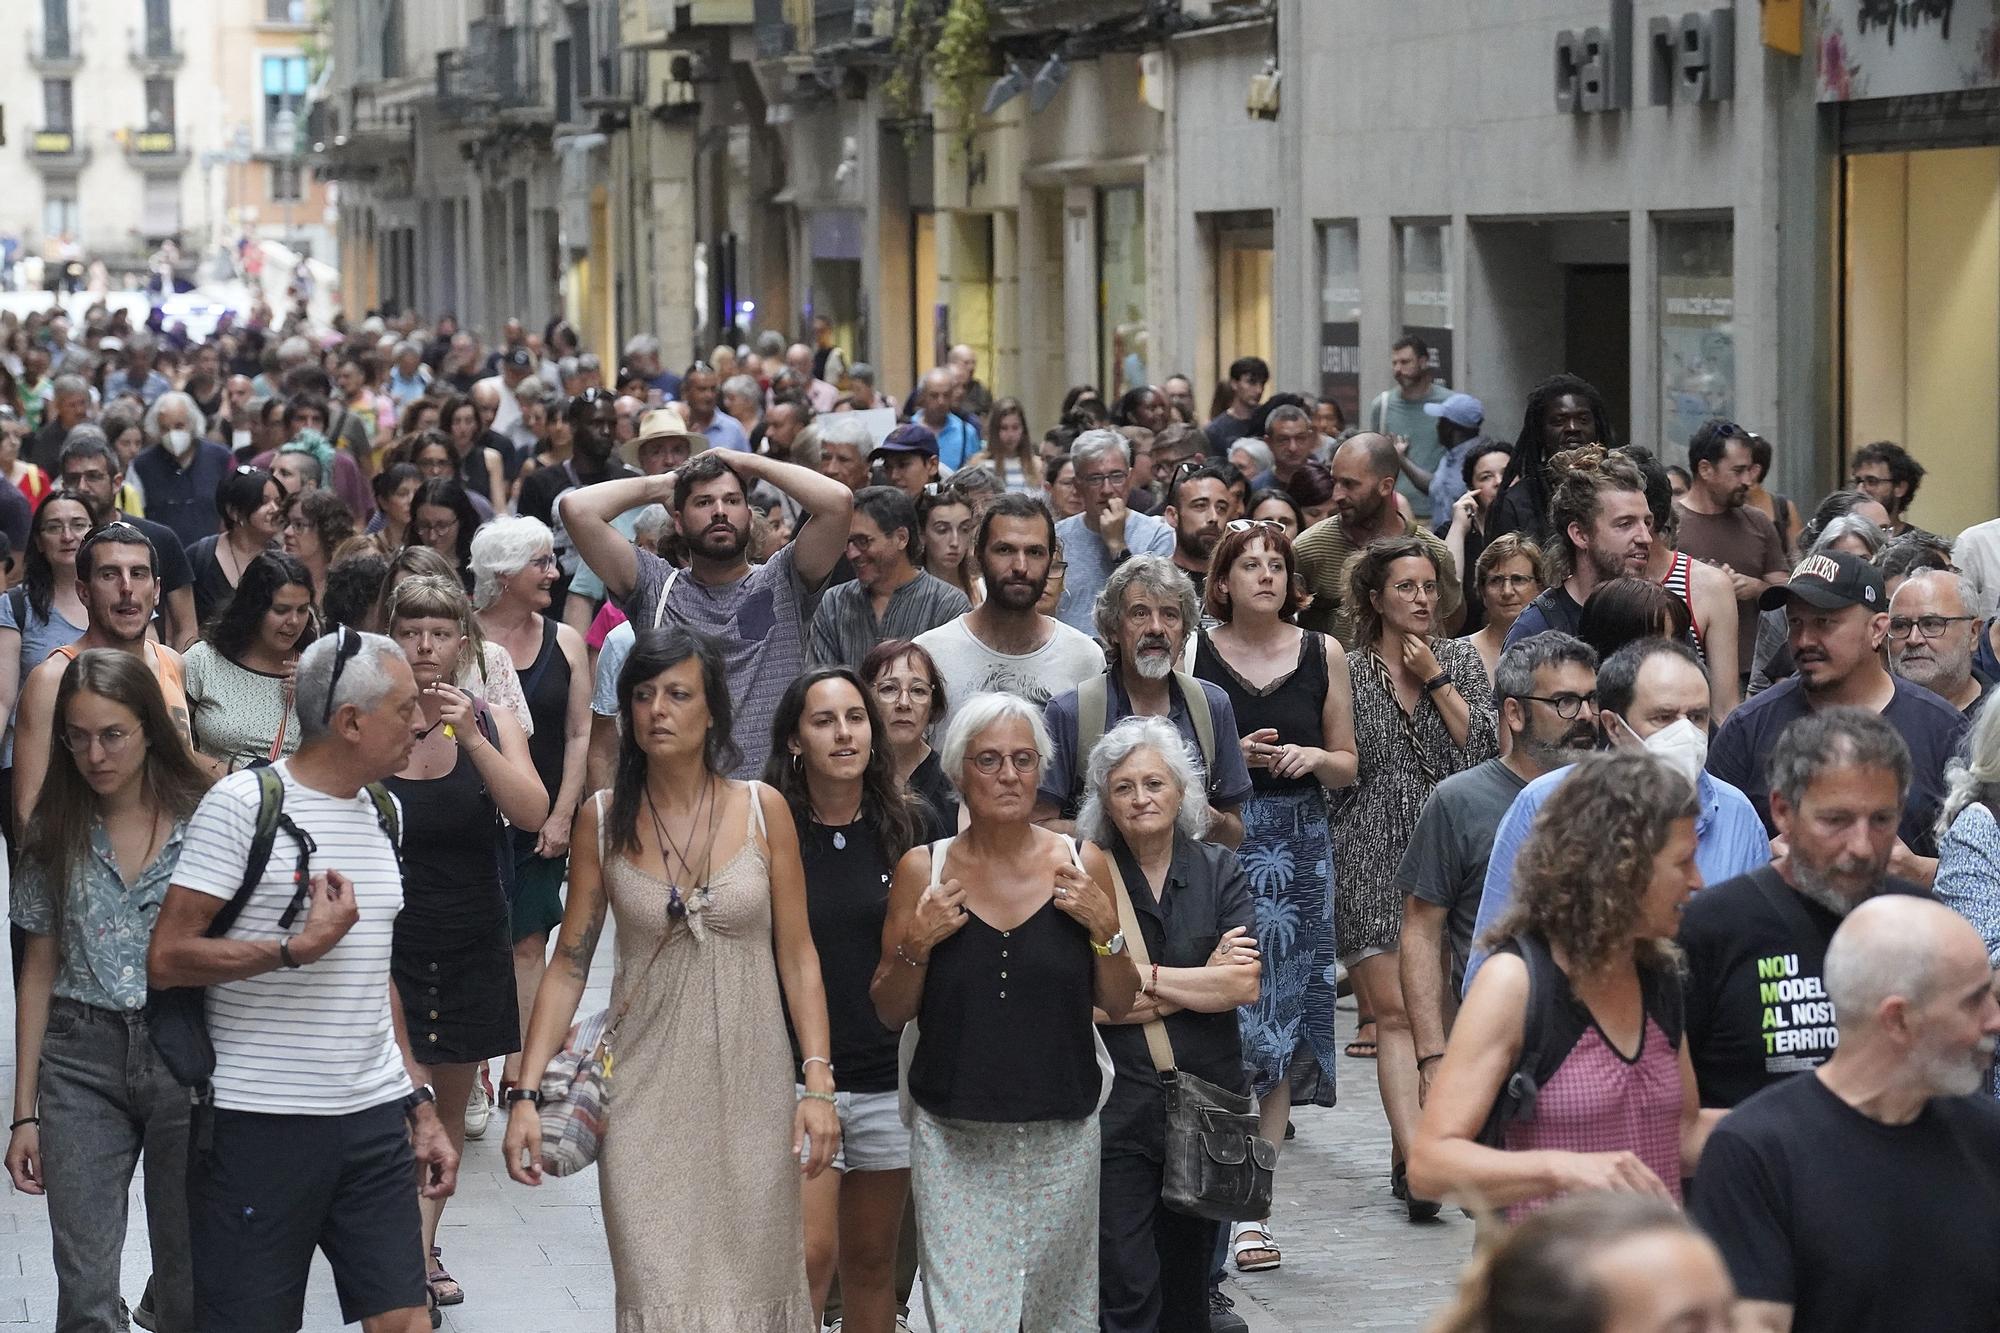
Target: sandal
[
  {"x": 1250, "y": 1239},
  {"x": 1363, "y": 1047},
  {"x": 444, "y": 1287}
]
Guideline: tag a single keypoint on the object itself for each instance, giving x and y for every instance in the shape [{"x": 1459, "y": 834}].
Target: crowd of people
[{"x": 979, "y": 791}]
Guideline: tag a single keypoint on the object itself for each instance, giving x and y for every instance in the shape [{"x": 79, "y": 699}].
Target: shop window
[
  {"x": 1123, "y": 340},
  {"x": 1423, "y": 289},
  {"x": 1697, "y": 305},
  {"x": 1340, "y": 315}
]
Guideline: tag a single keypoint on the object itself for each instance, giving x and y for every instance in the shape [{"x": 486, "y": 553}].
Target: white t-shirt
[
  {"x": 969, "y": 667},
  {"x": 317, "y": 1040}
]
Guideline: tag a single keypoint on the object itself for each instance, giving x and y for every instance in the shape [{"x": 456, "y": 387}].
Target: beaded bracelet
[{"x": 809, "y": 1094}]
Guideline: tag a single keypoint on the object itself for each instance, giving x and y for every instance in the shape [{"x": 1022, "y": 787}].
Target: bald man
[
  {"x": 822, "y": 396},
  {"x": 1866, "y": 1196},
  {"x": 1365, "y": 510},
  {"x": 957, "y": 438}
]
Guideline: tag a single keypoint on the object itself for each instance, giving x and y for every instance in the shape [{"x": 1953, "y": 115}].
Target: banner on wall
[
  {"x": 1340, "y": 367},
  {"x": 1697, "y": 357},
  {"x": 1898, "y": 48},
  {"x": 1439, "y": 341}
]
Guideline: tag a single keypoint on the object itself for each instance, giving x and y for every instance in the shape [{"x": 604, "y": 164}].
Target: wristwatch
[
  {"x": 1116, "y": 944},
  {"x": 512, "y": 1095},
  {"x": 422, "y": 1094}
]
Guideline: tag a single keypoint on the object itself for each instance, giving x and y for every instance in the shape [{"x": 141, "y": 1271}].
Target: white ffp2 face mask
[
  {"x": 179, "y": 441},
  {"x": 1682, "y": 744}
]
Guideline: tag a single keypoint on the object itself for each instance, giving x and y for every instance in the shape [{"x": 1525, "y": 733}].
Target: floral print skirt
[
  {"x": 1288, "y": 857},
  {"x": 1007, "y": 1222}
]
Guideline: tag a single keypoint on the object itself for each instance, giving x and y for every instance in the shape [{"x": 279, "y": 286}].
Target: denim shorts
[{"x": 872, "y": 1134}]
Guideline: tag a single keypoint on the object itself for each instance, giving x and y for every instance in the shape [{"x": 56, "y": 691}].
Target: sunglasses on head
[{"x": 346, "y": 648}]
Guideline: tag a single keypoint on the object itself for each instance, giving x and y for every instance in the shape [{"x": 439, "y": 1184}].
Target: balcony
[
  {"x": 156, "y": 151},
  {"x": 57, "y": 152},
  {"x": 54, "y": 54},
  {"x": 158, "y": 52},
  {"x": 800, "y": 27},
  {"x": 1020, "y": 18},
  {"x": 497, "y": 73}
]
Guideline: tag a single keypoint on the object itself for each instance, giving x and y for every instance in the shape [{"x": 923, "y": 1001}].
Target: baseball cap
[
  {"x": 1461, "y": 409},
  {"x": 520, "y": 358},
  {"x": 1830, "y": 580},
  {"x": 908, "y": 438}
]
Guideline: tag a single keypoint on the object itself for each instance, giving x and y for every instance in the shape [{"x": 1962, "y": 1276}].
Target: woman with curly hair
[
  {"x": 316, "y": 523},
  {"x": 1423, "y": 710},
  {"x": 1598, "y": 892}
]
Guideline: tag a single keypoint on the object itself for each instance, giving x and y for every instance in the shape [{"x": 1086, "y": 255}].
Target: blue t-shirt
[
  {"x": 1729, "y": 840},
  {"x": 726, "y": 432},
  {"x": 40, "y": 636},
  {"x": 1090, "y": 564},
  {"x": 1228, "y": 785},
  {"x": 1930, "y": 726}
]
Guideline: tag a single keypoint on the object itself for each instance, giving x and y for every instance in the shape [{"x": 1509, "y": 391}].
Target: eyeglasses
[
  {"x": 113, "y": 740},
  {"x": 1512, "y": 581},
  {"x": 989, "y": 761},
  {"x": 538, "y": 562},
  {"x": 430, "y": 530},
  {"x": 348, "y": 647},
  {"x": 1411, "y": 587},
  {"x": 1102, "y": 480},
  {"x": 1930, "y": 627},
  {"x": 58, "y": 527},
  {"x": 888, "y": 691},
  {"x": 1252, "y": 524},
  {"x": 1567, "y": 706},
  {"x": 1861, "y": 483}
]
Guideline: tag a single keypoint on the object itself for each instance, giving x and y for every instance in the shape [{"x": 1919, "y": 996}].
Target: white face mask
[
  {"x": 1682, "y": 744},
  {"x": 179, "y": 442}
]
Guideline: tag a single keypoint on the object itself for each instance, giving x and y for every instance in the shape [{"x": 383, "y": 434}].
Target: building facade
[{"x": 110, "y": 126}]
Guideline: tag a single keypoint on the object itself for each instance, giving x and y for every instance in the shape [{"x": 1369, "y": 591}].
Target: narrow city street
[{"x": 534, "y": 1261}]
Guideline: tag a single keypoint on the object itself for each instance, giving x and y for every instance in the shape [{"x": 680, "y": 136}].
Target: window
[
  {"x": 1340, "y": 315},
  {"x": 57, "y": 111},
  {"x": 284, "y": 88},
  {"x": 285, "y": 183},
  {"x": 55, "y": 29},
  {"x": 1697, "y": 296},
  {"x": 60, "y": 216},
  {"x": 1423, "y": 288},
  {"x": 1121, "y": 287},
  {"x": 580, "y": 51},
  {"x": 159, "y": 104},
  {"x": 159, "y": 27},
  {"x": 565, "y": 96},
  {"x": 285, "y": 11},
  {"x": 392, "y": 39}
]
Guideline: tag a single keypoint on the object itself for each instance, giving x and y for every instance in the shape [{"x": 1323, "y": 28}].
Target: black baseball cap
[
  {"x": 1830, "y": 580},
  {"x": 520, "y": 358}
]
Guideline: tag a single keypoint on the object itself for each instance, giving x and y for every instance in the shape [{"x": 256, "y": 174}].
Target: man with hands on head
[
  {"x": 320, "y": 1117},
  {"x": 760, "y": 615}
]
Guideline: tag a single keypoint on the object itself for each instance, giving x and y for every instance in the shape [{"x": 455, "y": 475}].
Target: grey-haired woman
[
  {"x": 1000, "y": 942},
  {"x": 1146, "y": 806}
]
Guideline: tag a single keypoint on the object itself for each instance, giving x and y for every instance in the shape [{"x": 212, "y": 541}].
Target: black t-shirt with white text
[
  {"x": 1757, "y": 1009},
  {"x": 1861, "y": 1227}
]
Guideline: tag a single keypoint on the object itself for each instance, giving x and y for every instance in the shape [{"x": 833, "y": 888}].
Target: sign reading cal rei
[{"x": 1689, "y": 59}]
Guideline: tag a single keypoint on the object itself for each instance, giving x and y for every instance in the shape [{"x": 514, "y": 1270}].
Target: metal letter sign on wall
[
  {"x": 1690, "y": 59},
  {"x": 1593, "y": 72}
]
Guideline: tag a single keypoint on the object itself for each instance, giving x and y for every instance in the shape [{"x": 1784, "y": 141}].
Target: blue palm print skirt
[{"x": 1287, "y": 854}]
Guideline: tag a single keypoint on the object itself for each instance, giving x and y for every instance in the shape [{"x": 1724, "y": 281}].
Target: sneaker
[
  {"x": 144, "y": 1316},
  {"x": 1222, "y": 1316},
  {"x": 478, "y": 1110}
]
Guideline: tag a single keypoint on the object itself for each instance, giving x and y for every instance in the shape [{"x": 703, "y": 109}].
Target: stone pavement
[{"x": 534, "y": 1260}]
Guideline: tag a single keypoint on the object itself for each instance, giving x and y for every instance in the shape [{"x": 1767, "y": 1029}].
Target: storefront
[{"x": 1916, "y": 94}]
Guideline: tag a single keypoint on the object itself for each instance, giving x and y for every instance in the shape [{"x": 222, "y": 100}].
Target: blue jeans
[{"x": 105, "y": 1098}]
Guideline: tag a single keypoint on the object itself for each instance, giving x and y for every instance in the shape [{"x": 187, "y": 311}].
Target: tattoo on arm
[{"x": 577, "y": 954}]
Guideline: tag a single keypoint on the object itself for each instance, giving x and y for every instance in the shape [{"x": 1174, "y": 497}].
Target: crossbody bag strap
[
  {"x": 1203, "y": 719},
  {"x": 666, "y": 591},
  {"x": 1157, "y": 1041},
  {"x": 632, "y": 991}
]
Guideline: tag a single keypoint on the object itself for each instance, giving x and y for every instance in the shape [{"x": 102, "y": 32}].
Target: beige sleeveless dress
[{"x": 699, "y": 1185}]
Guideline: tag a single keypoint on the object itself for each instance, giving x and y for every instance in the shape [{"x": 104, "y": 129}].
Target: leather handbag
[{"x": 1215, "y": 1165}]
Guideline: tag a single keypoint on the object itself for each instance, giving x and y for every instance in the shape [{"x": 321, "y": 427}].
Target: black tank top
[
  {"x": 1292, "y": 704},
  {"x": 1005, "y": 1021},
  {"x": 451, "y": 871},
  {"x": 546, "y": 685}
]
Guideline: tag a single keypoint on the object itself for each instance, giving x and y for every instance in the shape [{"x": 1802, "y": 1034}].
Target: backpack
[
  {"x": 1093, "y": 703},
  {"x": 1553, "y": 1022},
  {"x": 177, "y": 1017}
]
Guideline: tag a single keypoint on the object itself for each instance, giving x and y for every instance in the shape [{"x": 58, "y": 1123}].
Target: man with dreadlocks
[{"x": 1564, "y": 412}]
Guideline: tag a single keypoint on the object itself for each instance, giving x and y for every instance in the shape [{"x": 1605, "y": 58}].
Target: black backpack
[
  {"x": 177, "y": 1016},
  {"x": 1553, "y": 1022}
]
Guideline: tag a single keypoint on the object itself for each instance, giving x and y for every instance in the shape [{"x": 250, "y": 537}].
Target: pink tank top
[{"x": 1597, "y": 1101}]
